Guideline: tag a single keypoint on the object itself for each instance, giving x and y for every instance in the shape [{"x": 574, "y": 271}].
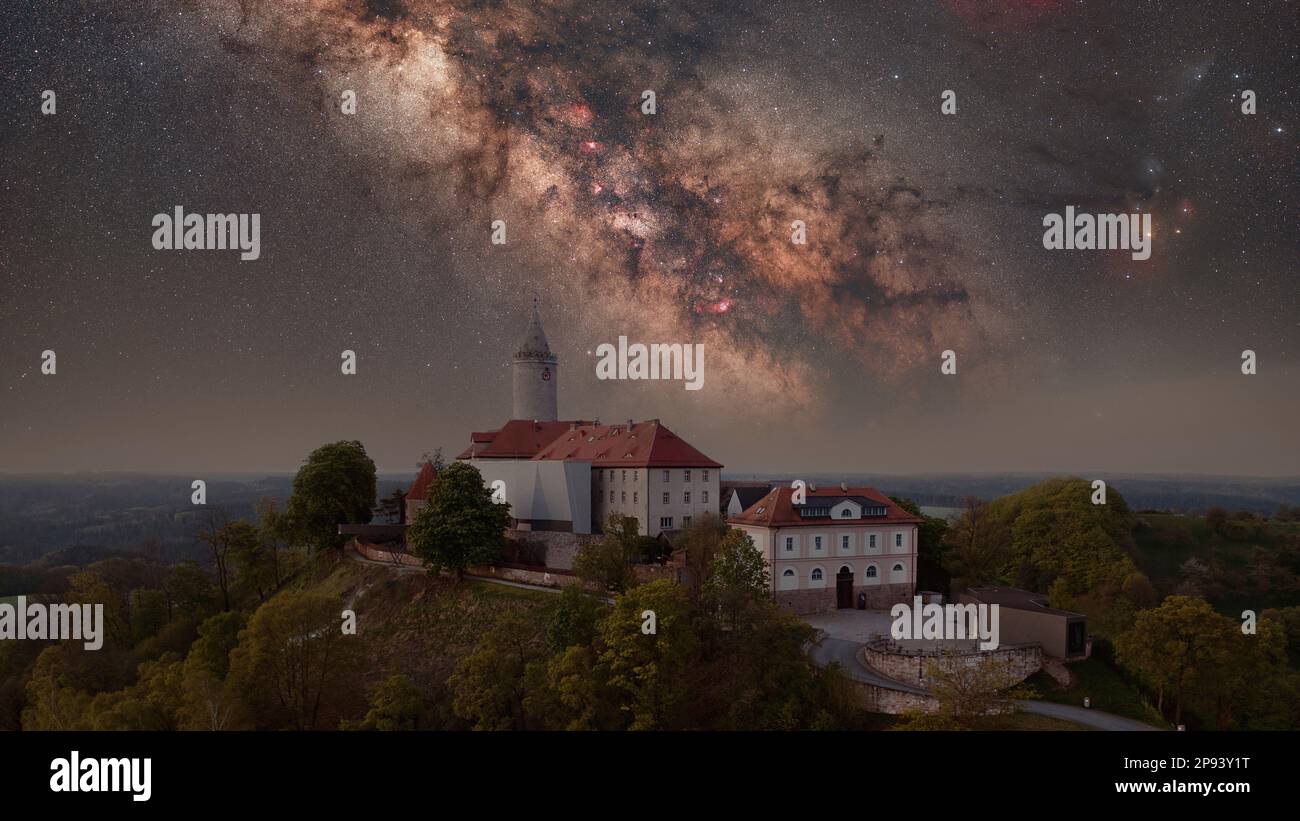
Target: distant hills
[
  {"x": 89, "y": 516},
  {"x": 1179, "y": 494}
]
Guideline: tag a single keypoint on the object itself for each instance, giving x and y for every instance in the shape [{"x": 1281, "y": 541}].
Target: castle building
[
  {"x": 570, "y": 475},
  {"x": 836, "y": 545}
]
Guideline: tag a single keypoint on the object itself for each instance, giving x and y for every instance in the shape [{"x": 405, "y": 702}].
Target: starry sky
[{"x": 924, "y": 230}]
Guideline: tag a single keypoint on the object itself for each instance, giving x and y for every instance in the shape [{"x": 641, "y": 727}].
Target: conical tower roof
[{"x": 535, "y": 345}]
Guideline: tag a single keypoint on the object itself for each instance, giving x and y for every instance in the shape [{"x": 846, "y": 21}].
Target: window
[
  {"x": 789, "y": 581},
  {"x": 816, "y": 574},
  {"x": 846, "y": 513},
  {"x": 844, "y": 542},
  {"x": 872, "y": 539},
  {"x": 666, "y": 522},
  {"x": 871, "y": 571},
  {"x": 666, "y": 497},
  {"x": 634, "y": 475},
  {"x": 624, "y": 476},
  {"x": 624, "y": 497},
  {"x": 706, "y": 478},
  {"x": 789, "y": 545},
  {"x": 845, "y": 569},
  {"x": 686, "y": 498},
  {"x": 686, "y": 475},
  {"x": 666, "y": 474},
  {"x": 898, "y": 540},
  {"x": 611, "y": 475},
  {"x": 611, "y": 497},
  {"x": 898, "y": 568},
  {"x": 788, "y": 573},
  {"x": 634, "y": 495},
  {"x": 817, "y": 542},
  {"x": 686, "y": 521},
  {"x": 705, "y": 498}
]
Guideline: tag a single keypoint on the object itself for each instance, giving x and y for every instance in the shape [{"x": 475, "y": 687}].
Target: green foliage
[
  {"x": 1103, "y": 685},
  {"x": 737, "y": 577},
  {"x": 154, "y": 702},
  {"x": 492, "y": 683},
  {"x": 1289, "y": 619},
  {"x": 293, "y": 666},
  {"x": 336, "y": 486},
  {"x": 460, "y": 526},
  {"x": 395, "y": 704},
  {"x": 148, "y": 614},
  {"x": 608, "y": 562},
  {"x": 1049, "y": 531},
  {"x": 651, "y": 672},
  {"x": 1202, "y": 660},
  {"x": 573, "y": 621}
]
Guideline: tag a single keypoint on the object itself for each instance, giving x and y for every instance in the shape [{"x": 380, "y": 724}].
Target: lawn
[{"x": 1106, "y": 689}]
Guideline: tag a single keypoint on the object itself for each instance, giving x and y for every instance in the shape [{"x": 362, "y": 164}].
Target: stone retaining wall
[{"x": 1018, "y": 662}]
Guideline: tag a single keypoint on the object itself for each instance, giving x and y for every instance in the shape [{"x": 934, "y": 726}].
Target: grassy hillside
[
  {"x": 1104, "y": 686},
  {"x": 421, "y": 625}
]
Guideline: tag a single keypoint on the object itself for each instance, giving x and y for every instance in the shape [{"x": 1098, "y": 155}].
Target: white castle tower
[{"x": 535, "y": 371}]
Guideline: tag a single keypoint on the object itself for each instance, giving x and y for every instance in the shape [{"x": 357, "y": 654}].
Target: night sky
[{"x": 924, "y": 230}]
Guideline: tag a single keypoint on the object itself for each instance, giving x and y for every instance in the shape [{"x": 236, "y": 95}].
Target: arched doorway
[{"x": 844, "y": 588}]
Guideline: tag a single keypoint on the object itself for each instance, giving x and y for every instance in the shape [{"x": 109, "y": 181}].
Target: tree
[
  {"x": 148, "y": 614},
  {"x": 153, "y": 702},
  {"x": 737, "y": 578},
  {"x": 608, "y": 562},
  {"x": 253, "y": 554},
  {"x": 189, "y": 590},
  {"x": 393, "y": 506},
  {"x": 293, "y": 664},
  {"x": 336, "y": 486},
  {"x": 573, "y": 621},
  {"x": 460, "y": 526},
  {"x": 395, "y": 704},
  {"x": 698, "y": 544},
  {"x": 226, "y": 540},
  {"x": 491, "y": 684},
  {"x": 651, "y": 672},
  {"x": 1169, "y": 646},
  {"x": 967, "y": 691},
  {"x": 211, "y": 702},
  {"x": 273, "y": 530}
]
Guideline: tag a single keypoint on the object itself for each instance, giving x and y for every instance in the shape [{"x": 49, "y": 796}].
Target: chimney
[{"x": 629, "y": 424}]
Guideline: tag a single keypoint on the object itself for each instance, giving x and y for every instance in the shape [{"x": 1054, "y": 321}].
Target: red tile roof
[
  {"x": 642, "y": 444},
  {"x": 776, "y": 509},
  {"x": 420, "y": 487},
  {"x": 516, "y": 439}
]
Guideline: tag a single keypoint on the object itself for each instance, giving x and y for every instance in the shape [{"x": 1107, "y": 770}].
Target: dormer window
[{"x": 846, "y": 514}]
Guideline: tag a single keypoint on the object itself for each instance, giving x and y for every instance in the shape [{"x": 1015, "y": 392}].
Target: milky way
[{"x": 923, "y": 230}]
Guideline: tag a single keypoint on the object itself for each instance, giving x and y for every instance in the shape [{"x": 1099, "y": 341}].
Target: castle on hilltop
[{"x": 570, "y": 475}]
